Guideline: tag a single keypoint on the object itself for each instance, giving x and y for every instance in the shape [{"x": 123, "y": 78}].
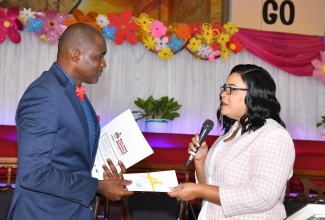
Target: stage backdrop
[
  {"x": 167, "y": 11},
  {"x": 133, "y": 72}
]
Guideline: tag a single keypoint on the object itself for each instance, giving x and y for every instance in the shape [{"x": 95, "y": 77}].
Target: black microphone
[{"x": 206, "y": 128}]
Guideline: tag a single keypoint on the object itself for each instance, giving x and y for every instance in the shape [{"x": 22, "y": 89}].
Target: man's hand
[
  {"x": 113, "y": 186},
  {"x": 114, "y": 189},
  {"x": 112, "y": 172}
]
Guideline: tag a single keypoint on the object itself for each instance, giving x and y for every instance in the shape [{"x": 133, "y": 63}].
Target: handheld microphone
[{"x": 206, "y": 128}]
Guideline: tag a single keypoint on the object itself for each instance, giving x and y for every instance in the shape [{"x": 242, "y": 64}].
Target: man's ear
[{"x": 75, "y": 55}]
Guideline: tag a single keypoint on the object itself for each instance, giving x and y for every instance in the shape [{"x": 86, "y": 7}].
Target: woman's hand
[
  {"x": 189, "y": 191},
  {"x": 202, "y": 151},
  {"x": 185, "y": 191}
]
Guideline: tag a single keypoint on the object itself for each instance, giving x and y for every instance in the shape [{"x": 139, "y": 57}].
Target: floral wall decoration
[
  {"x": 205, "y": 41},
  {"x": 9, "y": 24},
  {"x": 319, "y": 65}
]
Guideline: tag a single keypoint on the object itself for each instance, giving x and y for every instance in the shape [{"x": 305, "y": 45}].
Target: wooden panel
[
  {"x": 247, "y": 14},
  {"x": 296, "y": 16},
  {"x": 8, "y": 161},
  {"x": 317, "y": 174}
]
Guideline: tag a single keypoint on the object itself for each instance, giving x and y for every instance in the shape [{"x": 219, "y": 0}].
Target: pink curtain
[{"x": 292, "y": 53}]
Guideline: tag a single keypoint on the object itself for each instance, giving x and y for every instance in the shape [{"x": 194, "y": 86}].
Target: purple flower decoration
[{"x": 53, "y": 26}]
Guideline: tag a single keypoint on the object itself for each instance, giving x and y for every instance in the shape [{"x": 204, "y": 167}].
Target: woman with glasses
[{"x": 244, "y": 174}]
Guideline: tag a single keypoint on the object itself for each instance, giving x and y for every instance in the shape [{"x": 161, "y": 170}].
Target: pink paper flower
[
  {"x": 125, "y": 28},
  {"x": 319, "y": 65},
  {"x": 9, "y": 24},
  {"x": 158, "y": 29},
  {"x": 53, "y": 26}
]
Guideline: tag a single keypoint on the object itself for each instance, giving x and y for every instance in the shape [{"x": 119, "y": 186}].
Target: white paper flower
[
  {"x": 161, "y": 43},
  {"x": 102, "y": 21},
  {"x": 26, "y": 13},
  {"x": 204, "y": 51}
]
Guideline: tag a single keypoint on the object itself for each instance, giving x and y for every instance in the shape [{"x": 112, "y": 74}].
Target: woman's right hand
[{"x": 202, "y": 151}]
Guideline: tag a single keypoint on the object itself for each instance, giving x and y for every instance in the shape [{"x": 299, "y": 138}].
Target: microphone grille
[{"x": 208, "y": 124}]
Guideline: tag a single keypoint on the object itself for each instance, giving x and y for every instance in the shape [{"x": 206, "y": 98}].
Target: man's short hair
[{"x": 79, "y": 36}]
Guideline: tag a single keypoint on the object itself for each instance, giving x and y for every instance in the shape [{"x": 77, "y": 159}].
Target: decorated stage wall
[{"x": 187, "y": 61}]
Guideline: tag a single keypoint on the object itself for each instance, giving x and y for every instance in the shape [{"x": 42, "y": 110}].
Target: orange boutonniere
[{"x": 81, "y": 92}]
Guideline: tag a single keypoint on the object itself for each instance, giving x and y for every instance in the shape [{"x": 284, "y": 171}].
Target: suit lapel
[
  {"x": 79, "y": 110},
  {"x": 75, "y": 102},
  {"x": 97, "y": 127},
  {"x": 71, "y": 94}
]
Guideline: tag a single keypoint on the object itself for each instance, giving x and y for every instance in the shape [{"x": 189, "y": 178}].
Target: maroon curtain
[{"x": 292, "y": 53}]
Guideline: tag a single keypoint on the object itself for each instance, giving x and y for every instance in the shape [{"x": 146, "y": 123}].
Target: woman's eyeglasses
[{"x": 229, "y": 90}]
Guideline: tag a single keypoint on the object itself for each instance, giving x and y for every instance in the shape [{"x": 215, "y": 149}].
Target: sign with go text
[{"x": 305, "y": 17}]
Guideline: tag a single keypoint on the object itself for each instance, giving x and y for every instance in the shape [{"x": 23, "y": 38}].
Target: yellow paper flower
[
  {"x": 231, "y": 28},
  {"x": 194, "y": 44},
  {"x": 223, "y": 39},
  {"x": 149, "y": 42},
  {"x": 165, "y": 53},
  {"x": 43, "y": 38},
  {"x": 208, "y": 33},
  {"x": 144, "y": 22},
  {"x": 224, "y": 53}
]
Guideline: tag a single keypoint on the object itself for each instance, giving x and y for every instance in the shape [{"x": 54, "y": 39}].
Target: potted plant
[
  {"x": 157, "y": 112},
  {"x": 321, "y": 123}
]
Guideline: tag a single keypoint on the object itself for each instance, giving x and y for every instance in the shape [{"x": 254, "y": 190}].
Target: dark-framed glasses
[{"x": 229, "y": 90}]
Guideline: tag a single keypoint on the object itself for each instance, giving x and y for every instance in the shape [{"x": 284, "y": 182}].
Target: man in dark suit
[{"x": 58, "y": 133}]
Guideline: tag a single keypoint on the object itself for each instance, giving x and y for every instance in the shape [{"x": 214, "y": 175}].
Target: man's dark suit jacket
[{"x": 54, "y": 165}]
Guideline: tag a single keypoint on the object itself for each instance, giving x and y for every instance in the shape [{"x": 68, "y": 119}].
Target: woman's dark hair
[{"x": 260, "y": 100}]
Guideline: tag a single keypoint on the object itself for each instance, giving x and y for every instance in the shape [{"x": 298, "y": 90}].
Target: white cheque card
[
  {"x": 152, "y": 181},
  {"x": 121, "y": 139}
]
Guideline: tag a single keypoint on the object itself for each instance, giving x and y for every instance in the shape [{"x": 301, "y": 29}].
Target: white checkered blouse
[{"x": 251, "y": 171}]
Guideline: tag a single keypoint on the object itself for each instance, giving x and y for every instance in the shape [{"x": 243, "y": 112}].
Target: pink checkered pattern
[{"x": 252, "y": 171}]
